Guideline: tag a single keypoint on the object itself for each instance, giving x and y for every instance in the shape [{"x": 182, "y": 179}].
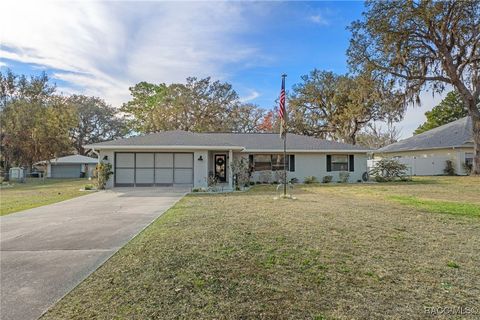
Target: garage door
[
  {"x": 65, "y": 171},
  {"x": 144, "y": 169}
]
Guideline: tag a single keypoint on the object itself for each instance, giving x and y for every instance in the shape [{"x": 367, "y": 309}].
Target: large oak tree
[{"x": 420, "y": 45}]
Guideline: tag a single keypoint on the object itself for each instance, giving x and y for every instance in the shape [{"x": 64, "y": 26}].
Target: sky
[{"x": 103, "y": 48}]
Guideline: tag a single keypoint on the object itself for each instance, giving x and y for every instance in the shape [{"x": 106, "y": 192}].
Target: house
[
  {"x": 180, "y": 157},
  {"x": 74, "y": 166},
  {"x": 426, "y": 153}
]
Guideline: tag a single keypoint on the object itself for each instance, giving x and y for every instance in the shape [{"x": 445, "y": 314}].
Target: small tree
[
  {"x": 103, "y": 172},
  {"x": 239, "y": 169},
  {"x": 388, "y": 170},
  {"x": 449, "y": 168}
]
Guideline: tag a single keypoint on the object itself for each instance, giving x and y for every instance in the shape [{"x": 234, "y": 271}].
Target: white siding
[{"x": 429, "y": 162}]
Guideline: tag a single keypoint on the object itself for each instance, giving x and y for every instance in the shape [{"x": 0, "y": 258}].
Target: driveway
[{"x": 47, "y": 251}]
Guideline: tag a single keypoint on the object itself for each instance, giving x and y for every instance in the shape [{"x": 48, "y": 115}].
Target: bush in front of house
[
  {"x": 240, "y": 170},
  {"x": 343, "y": 176},
  {"x": 389, "y": 170},
  {"x": 103, "y": 171},
  {"x": 467, "y": 168},
  {"x": 310, "y": 180},
  {"x": 449, "y": 168},
  {"x": 294, "y": 180},
  {"x": 89, "y": 187},
  {"x": 327, "y": 179}
]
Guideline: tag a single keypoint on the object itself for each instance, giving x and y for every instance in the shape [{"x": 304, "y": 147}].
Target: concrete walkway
[{"x": 47, "y": 251}]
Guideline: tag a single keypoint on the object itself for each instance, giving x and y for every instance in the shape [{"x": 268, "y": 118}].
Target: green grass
[
  {"x": 435, "y": 206},
  {"x": 36, "y": 192},
  {"x": 337, "y": 252}
]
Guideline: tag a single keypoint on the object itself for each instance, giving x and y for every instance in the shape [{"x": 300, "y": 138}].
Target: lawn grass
[
  {"x": 37, "y": 192},
  {"x": 337, "y": 252},
  {"x": 450, "y": 207}
]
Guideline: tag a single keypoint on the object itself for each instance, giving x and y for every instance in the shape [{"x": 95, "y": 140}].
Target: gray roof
[
  {"x": 454, "y": 134},
  {"x": 246, "y": 141},
  {"x": 75, "y": 158}
]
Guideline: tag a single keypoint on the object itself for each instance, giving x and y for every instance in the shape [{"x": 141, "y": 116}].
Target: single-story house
[
  {"x": 189, "y": 158},
  {"x": 425, "y": 154},
  {"x": 74, "y": 166}
]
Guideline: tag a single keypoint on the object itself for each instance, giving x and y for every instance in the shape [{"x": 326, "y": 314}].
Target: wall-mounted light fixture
[
  {"x": 105, "y": 158},
  {"x": 200, "y": 158}
]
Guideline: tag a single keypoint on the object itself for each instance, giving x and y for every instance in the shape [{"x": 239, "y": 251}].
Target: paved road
[{"x": 47, "y": 251}]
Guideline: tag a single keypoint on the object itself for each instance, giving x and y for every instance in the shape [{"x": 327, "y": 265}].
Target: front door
[{"x": 221, "y": 167}]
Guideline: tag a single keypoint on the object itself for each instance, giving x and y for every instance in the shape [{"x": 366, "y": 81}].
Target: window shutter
[
  {"x": 351, "y": 163},
  {"x": 329, "y": 163},
  {"x": 292, "y": 163},
  {"x": 250, "y": 160}
]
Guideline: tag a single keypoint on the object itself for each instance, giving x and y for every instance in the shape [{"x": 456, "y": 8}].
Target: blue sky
[{"x": 102, "y": 48}]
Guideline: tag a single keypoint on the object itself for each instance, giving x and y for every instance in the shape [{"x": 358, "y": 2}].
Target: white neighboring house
[
  {"x": 426, "y": 153},
  {"x": 188, "y": 158},
  {"x": 74, "y": 166}
]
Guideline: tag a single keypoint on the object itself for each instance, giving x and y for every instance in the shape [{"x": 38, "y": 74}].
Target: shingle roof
[
  {"x": 75, "y": 158},
  {"x": 454, "y": 134},
  {"x": 248, "y": 141}
]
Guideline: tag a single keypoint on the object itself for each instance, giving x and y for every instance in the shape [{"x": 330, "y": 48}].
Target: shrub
[
  {"x": 388, "y": 170},
  {"x": 89, "y": 187},
  {"x": 467, "y": 168},
  {"x": 103, "y": 172},
  {"x": 449, "y": 169},
  {"x": 327, "y": 179},
  {"x": 343, "y": 176},
  {"x": 310, "y": 179},
  {"x": 199, "y": 190},
  {"x": 279, "y": 175},
  {"x": 252, "y": 183},
  {"x": 294, "y": 180}
]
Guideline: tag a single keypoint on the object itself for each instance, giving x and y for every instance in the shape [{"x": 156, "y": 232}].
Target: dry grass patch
[{"x": 326, "y": 255}]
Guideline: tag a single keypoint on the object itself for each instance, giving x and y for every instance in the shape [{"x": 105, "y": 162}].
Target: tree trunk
[{"x": 476, "y": 145}]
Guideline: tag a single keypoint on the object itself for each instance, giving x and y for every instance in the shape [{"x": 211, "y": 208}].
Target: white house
[
  {"x": 74, "y": 166},
  {"x": 426, "y": 153},
  {"x": 188, "y": 158}
]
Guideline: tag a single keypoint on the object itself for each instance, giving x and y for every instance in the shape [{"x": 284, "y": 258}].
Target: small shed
[{"x": 74, "y": 166}]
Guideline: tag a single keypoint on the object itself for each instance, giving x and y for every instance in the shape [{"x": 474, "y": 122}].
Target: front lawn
[
  {"x": 37, "y": 192},
  {"x": 337, "y": 252}
]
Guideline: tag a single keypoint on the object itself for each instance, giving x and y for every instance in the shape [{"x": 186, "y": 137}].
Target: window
[
  {"x": 262, "y": 162},
  {"x": 269, "y": 162},
  {"x": 339, "y": 162},
  {"x": 469, "y": 159}
]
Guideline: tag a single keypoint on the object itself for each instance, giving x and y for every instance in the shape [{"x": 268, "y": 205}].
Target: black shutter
[
  {"x": 292, "y": 163},
  {"x": 250, "y": 161},
  {"x": 351, "y": 163},
  {"x": 329, "y": 163}
]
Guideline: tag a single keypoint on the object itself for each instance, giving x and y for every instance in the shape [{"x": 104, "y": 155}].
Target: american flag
[{"x": 282, "y": 113}]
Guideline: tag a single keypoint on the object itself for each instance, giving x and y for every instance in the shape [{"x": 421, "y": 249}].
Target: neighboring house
[
  {"x": 74, "y": 166},
  {"x": 180, "y": 157},
  {"x": 426, "y": 153}
]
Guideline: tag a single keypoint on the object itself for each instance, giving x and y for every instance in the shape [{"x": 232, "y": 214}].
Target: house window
[
  {"x": 269, "y": 162},
  {"x": 262, "y": 162},
  {"x": 339, "y": 162},
  {"x": 277, "y": 162},
  {"x": 469, "y": 159}
]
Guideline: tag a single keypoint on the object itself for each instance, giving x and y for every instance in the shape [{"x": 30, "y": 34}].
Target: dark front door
[{"x": 221, "y": 167}]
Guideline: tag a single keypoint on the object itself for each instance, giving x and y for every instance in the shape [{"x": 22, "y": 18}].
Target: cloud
[
  {"x": 415, "y": 114},
  {"x": 102, "y": 48},
  {"x": 3, "y": 64},
  {"x": 319, "y": 19},
  {"x": 251, "y": 96}
]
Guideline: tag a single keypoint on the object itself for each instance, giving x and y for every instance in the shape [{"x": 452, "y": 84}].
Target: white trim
[{"x": 423, "y": 149}]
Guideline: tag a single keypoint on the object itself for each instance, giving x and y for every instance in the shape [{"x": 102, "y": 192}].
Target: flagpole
[{"x": 285, "y": 146}]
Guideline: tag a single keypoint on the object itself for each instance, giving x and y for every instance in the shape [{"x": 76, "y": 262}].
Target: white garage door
[{"x": 150, "y": 169}]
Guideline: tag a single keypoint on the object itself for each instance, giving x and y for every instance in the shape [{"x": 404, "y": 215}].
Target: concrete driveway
[{"x": 47, "y": 251}]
